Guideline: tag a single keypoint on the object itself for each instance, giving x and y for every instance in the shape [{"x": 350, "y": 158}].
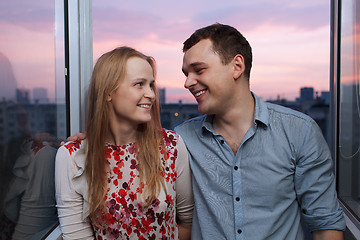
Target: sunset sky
[{"x": 290, "y": 39}]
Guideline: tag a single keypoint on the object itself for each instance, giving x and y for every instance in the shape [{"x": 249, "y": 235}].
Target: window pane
[
  {"x": 280, "y": 36},
  {"x": 349, "y": 138},
  {"x": 32, "y": 115}
]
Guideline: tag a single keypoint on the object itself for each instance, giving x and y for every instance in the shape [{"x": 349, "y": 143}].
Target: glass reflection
[
  {"x": 349, "y": 138},
  {"x": 32, "y": 117}
]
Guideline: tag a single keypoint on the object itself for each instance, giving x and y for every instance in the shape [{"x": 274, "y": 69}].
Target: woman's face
[{"x": 133, "y": 99}]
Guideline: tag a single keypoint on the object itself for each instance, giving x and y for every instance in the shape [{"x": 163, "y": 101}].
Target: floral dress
[{"x": 125, "y": 216}]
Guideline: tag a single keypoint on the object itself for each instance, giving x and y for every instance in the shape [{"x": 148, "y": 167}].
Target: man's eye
[
  {"x": 199, "y": 71},
  {"x": 138, "y": 84}
]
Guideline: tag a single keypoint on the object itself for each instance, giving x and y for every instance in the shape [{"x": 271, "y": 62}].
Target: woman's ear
[
  {"x": 239, "y": 66},
  {"x": 108, "y": 98}
]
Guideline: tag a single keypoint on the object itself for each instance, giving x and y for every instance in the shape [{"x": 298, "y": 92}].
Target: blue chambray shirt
[{"x": 282, "y": 172}]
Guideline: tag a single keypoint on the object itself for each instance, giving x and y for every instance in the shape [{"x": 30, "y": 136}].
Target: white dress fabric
[{"x": 125, "y": 216}]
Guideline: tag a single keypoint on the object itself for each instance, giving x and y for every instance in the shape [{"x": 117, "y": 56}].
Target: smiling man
[{"x": 258, "y": 168}]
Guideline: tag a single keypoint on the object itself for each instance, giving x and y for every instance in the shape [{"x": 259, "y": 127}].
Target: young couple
[{"x": 257, "y": 168}]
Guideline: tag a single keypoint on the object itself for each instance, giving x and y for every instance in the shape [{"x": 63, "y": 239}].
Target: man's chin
[{"x": 202, "y": 110}]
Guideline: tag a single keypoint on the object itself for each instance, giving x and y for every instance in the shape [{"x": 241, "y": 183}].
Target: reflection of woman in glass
[
  {"x": 27, "y": 163},
  {"x": 130, "y": 178}
]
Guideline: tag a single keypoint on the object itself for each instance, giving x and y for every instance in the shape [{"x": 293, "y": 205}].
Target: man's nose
[{"x": 190, "y": 81}]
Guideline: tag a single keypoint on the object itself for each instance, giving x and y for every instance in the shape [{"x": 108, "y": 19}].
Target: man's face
[{"x": 207, "y": 78}]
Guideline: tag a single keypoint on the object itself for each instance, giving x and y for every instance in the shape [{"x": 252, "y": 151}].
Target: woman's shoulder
[
  {"x": 70, "y": 158},
  {"x": 170, "y": 137},
  {"x": 74, "y": 147}
]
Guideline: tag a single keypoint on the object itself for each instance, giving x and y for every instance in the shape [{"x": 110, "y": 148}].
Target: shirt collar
[
  {"x": 261, "y": 115},
  {"x": 261, "y": 111}
]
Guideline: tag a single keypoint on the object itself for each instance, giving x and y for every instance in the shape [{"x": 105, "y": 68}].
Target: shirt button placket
[{"x": 237, "y": 202}]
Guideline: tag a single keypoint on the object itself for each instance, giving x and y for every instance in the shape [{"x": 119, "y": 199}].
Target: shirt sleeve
[
  {"x": 183, "y": 186},
  {"x": 69, "y": 202},
  {"x": 315, "y": 182}
]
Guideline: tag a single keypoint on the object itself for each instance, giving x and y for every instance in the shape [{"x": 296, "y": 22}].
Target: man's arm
[
  {"x": 184, "y": 232},
  {"x": 328, "y": 235}
]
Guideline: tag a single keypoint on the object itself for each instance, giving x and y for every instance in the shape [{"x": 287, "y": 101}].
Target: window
[
  {"x": 349, "y": 108},
  {"x": 32, "y": 91}
]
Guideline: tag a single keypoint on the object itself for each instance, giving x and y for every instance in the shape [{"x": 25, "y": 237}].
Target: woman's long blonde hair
[{"x": 108, "y": 71}]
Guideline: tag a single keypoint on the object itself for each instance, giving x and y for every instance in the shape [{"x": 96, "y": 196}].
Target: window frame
[
  {"x": 352, "y": 223},
  {"x": 77, "y": 68}
]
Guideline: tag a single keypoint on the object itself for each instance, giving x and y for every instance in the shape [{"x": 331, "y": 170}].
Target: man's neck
[{"x": 234, "y": 124}]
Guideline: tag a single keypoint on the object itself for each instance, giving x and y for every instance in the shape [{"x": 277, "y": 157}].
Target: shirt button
[
  {"x": 237, "y": 199},
  {"x": 222, "y": 141},
  {"x": 239, "y": 231},
  {"x": 236, "y": 168}
]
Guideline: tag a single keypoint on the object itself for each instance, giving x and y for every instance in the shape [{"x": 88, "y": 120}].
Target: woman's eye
[{"x": 138, "y": 84}]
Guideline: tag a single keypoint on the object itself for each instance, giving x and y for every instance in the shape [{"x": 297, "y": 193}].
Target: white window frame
[
  {"x": 80, "y": 68},
  {"x": 80, "y": 60}
]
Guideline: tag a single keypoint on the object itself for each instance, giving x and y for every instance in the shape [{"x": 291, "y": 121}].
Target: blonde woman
[{"x": 130, "y": 179}]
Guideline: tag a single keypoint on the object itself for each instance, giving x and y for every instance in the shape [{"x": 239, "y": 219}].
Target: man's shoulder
[
  {"x": 286, "y": 112},
  {"x": 192, "y": 123}
]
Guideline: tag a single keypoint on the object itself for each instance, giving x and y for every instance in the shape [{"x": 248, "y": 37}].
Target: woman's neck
[{"x": 120, "y": 134}]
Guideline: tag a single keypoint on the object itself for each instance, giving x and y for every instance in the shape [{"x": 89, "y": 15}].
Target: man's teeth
[{"x": 199, "y": 93}]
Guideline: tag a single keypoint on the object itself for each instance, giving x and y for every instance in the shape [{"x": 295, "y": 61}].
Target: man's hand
[{"x": 75, "y": 137}]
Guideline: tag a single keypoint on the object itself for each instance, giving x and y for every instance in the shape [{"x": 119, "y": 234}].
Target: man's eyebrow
[{"x": 195, "y": 64}]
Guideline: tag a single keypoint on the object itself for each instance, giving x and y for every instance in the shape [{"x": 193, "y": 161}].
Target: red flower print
[
  {"x": 115, "y": 182},
  {"x": 162, "y": 230},
  {"x": 160, "y": 219},
  {"x": 116, "y": 170},
  {"x": 122, "y": 192},
  {"x": 169, "y": 200},
  {"x": 120, "y": 164},
  {"x": 150, "y": 215},
  {"x": 132, "y": 196},
  {"x": 128, "y": 230},
  {"x": 146, "y": 224},
  {"x": 172, "y": 166},
  {"x": 139, "y": 207},
  {"x": 155, "y": 204},
  {"x": 125, "y": 216},
  {"x": 152, "y": 237},
  {"x": 134, "y": 222},
  {"x": 132, "y": 149},
  {"x": 73, "y": 146},
  {"x": 117, "y": 153},
  {"x": 125, "y": 185},
  {"x": 133, "y": 164},
  {"x": 107, "y": 152}
]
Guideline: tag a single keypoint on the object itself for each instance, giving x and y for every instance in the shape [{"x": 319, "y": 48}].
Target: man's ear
[{"x": 239, "y": 66}]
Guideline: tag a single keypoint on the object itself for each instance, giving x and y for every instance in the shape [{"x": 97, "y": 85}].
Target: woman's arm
[
  {"x": 69, "y": 202},
  {"x": 184, "y": 193}
]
